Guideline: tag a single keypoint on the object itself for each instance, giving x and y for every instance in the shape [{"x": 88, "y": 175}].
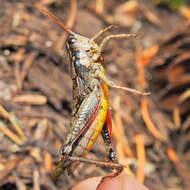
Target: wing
[{"x": 83, "y": 118}]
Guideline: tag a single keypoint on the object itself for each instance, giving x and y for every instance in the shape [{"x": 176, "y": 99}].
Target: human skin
[{"x": 119, "y": 182}]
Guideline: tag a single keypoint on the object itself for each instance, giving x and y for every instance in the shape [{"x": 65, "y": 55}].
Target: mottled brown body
[
  {"x": 90, "y": 97},
  {"x": 90, "y": 113}
]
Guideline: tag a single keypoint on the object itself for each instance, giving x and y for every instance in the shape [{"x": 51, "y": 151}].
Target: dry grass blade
[
  {"x": 149, "y": 124},
  {"x": 34, "y": 99},
  {"x": 141, "y": 158},
  {"x": 17, "y": 70},
  {"x": 176, "y": 116},
  {"x": 19, "y": 183},
  {"x": 36, "y": 179},
  {"x": 185, "y": 11},
  {"x": 122, "y": 147},
  {"x": 9, "y": 167},
  {"x": 118, "y": 131},
  {"x": 31, "y": 62},
  {"x": 143, "y": 58},
  {"x": 184, "y": 96},
  {"x": 181, "y": 170},
  {"x": 99, "y": 6},
  {"x": 107, "y": 19},
  {"x": 48, "y": 161},
  {"x": 150, "y": 16},
  {"x": 140, "y": 67},
  {"x": 18, "y": 76},
  {"x": 122, "y": 157},
  {"x": 27, "y": 64},
  {"x": 6, "y": 115},
  {"x": 10, "y": 134}
]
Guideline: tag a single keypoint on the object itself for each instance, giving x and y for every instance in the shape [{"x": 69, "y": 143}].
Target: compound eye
[{"x": 72, "y": 40}]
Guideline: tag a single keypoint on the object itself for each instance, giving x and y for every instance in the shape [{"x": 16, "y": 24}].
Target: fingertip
[
  {"x": 88, "y": 184},
  {"x": 119, "y": 182}
]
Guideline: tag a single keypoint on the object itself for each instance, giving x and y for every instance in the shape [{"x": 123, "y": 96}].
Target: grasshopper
[{"x": 90, "y": 112}]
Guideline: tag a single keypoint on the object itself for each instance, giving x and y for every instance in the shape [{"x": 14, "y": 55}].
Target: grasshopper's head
[
  {"x": 83, "y": 51},
  {"x": 77, "y": 42},
  {"x": 80, "y": 43}
]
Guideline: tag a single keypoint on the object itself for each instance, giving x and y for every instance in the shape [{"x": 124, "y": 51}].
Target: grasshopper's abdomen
[{"x": 89, "y": 137}]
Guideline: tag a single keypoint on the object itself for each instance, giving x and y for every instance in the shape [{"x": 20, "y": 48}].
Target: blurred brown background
[{"x": 151, "y": 135}]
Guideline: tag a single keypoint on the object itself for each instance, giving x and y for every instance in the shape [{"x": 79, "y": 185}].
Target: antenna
[{"x": 54, "y": 18}]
